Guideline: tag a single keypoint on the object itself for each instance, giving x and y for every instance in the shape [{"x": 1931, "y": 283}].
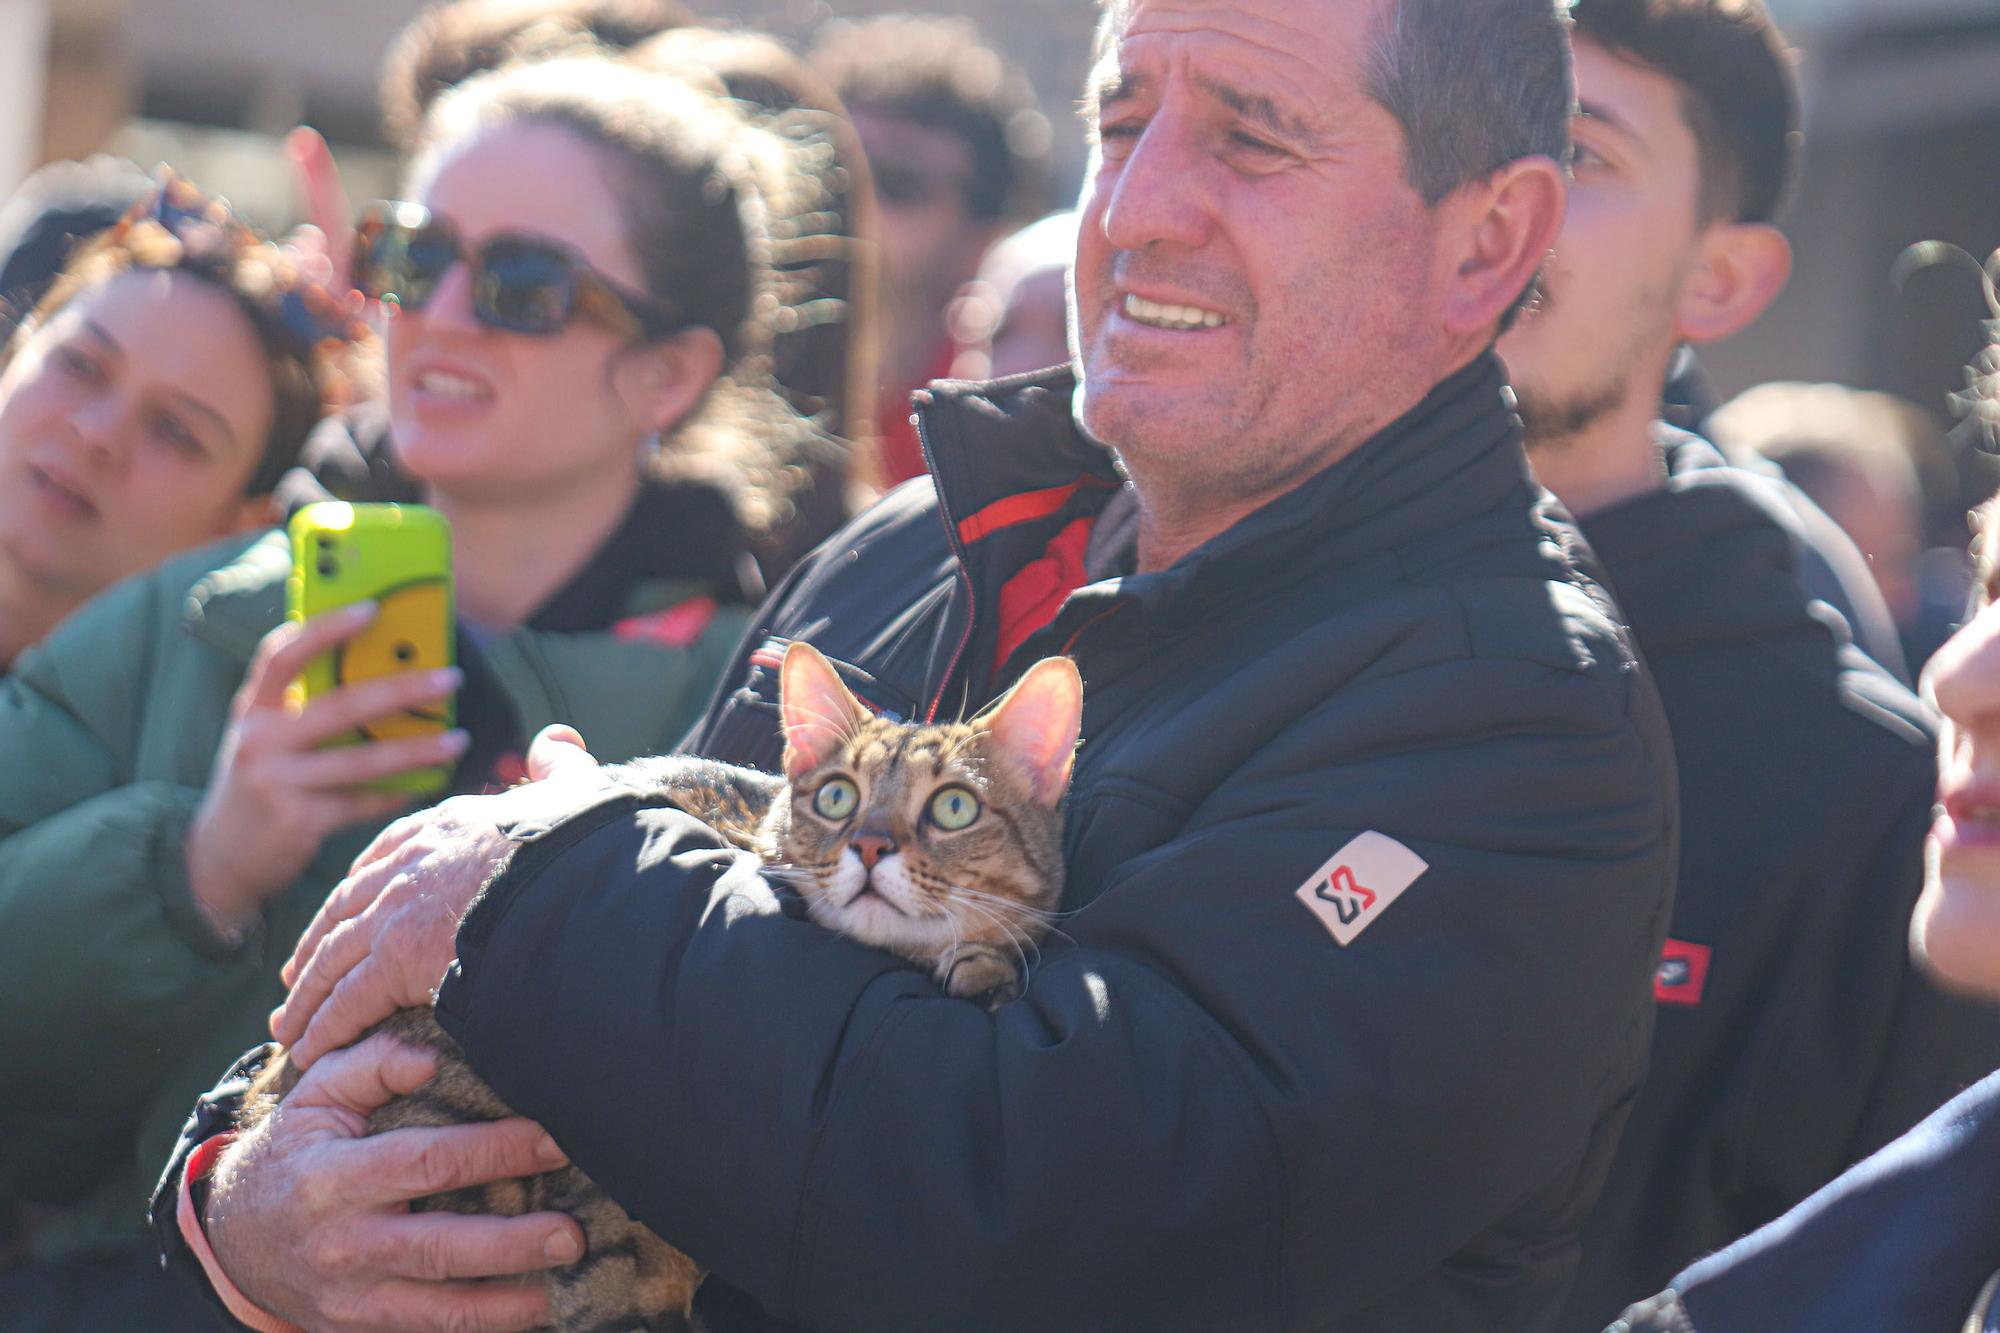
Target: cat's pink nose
[{"x": 871, "y": 848}]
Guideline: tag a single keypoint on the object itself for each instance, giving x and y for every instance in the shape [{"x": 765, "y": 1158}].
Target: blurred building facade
[{"x": 1903, "y": 107}]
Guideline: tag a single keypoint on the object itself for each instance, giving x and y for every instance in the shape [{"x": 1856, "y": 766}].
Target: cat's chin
[{"x": 874, "y": 920}]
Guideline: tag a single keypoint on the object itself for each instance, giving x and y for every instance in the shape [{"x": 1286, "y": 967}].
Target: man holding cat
[
  {"x": 1794, "y": 1034},
  {"x": 1369, "y": 846}
]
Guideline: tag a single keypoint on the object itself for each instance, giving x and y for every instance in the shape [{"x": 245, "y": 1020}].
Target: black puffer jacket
[
  {"x": 1206, "y": 1112},
  {"x": 1908, "y": 1242},
  {"x": 1794, "y": 1034}
]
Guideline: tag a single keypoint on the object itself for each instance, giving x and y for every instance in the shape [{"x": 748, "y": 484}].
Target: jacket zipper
[{"x": 964, "y": 572}]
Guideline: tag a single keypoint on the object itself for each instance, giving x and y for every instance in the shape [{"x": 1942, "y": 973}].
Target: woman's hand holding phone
[{"x": 275, "y": 794}]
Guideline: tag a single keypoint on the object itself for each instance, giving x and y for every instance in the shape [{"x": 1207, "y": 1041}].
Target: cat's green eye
[
  {"x": 836, "y": 799},
  {"x": 954, "y": 808}
]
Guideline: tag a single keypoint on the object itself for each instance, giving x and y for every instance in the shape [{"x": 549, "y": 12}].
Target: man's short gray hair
[{"x": 1476, "y": 84}]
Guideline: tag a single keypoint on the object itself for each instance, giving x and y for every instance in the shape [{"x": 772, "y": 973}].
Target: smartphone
[{"x": 398, "y": 556}]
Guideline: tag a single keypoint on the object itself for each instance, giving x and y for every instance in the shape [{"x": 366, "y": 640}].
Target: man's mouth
[{"x": 1181, "y": 318}]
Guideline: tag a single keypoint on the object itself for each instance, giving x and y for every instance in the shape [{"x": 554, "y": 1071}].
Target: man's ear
[
  {"x": 661, "y": 381},
  {"x": 1504, "y": 227},
  {"x": 1742, "y": 268}
]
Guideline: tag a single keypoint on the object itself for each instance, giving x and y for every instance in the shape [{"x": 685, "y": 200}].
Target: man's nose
[
  {"x": 1160, "y": 190},
  {"x": 872, "y": 847}
]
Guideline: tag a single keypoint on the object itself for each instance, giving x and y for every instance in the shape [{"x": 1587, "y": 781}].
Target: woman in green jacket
[{"x": 575, "y": 269}]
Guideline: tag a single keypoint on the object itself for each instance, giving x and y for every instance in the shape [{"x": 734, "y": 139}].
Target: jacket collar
[
  {"x": 1711, "y": 557},
  {"x": 1011, "y": 448}
]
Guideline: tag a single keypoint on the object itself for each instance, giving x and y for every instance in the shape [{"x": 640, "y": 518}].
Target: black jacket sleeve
[
  {"x": 1205, "y": 1113},
  {"x": 1905, "y": 1240},
  {"x": 214, "y": 1114}
]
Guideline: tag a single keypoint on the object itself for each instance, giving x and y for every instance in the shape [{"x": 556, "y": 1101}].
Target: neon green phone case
[{"x": 400, "y": 557}]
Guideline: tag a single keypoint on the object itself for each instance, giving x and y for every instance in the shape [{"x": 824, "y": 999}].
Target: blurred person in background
[
  {"x": 1861, "y": 457},
  {"x": 1014, "y": 317},
  {"x": 957, "y": 151},
  {"x": 791, "y": 474},
  {"x": 353, "y": 457},
  {"x": 52, "y": 213},
  {"x": 149, "y": 403},
  {"x": 1793, "y": 1034},
  {"x": 1910, "y": 1238},
  {"x": 815, "y": 182},
  {"x": 168, "y": 823}
]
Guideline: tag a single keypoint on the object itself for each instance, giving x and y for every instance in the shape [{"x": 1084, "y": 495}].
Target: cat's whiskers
[
  {"x": 1015, "y": 937},
  {"x": 1043, "y": 918}
]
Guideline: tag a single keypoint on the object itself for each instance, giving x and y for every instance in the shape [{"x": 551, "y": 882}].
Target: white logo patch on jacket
[{"x": 1358, "y": 884}]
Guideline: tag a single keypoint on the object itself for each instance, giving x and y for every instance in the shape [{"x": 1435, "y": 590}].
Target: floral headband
[{"x": 175, "y": 224}]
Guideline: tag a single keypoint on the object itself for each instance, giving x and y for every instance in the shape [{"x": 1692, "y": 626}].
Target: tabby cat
[{"x": 941, "y": 843}]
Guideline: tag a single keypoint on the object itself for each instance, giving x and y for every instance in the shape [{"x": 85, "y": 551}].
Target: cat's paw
[{"x": 986, "y": 975}]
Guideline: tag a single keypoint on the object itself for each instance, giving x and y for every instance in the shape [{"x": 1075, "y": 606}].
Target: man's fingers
[
  {"x": 349, "y": 899},
  {"x": 389, "y": 841},
  {"x": 342, "y": 710},
  {"x": 345, "y": 945},
  {"x": 283, "y": 653},
  {"x": 365, "y": 1076},
  {"x": 423, "y": 1161},
  {"x": 457, "y": 1307},
  {"x": 362, "y": 998},
  {"x": 438, "y": 1247},
  {"x": 559, "y": 751}
]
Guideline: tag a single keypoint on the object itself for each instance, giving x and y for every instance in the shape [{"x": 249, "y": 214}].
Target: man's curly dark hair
[{"x": 937, "y": 72}]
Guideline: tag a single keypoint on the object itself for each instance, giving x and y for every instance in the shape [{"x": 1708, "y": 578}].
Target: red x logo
[{"x": 1348, "y": 897}]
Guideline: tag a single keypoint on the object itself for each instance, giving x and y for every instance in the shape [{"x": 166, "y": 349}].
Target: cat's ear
[
  {"x": 1037, "y": 723},
  {"x": 816, "y": 710}
]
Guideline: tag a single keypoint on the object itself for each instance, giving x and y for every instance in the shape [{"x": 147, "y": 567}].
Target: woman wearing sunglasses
[
  {"x": 569, "y": 270},
  {"x": 148, "y": 404}
]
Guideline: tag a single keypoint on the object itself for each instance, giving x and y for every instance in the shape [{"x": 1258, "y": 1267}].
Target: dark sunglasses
[{"x": 520, "y": 283}]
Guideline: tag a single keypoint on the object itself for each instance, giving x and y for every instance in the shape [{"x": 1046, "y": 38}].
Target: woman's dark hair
[
  {"x": 452, "y": 41},
  {"x": 684, "y": 170},
  {"x": 262, "y": 282},
  {"x": 818, "y": 195}
]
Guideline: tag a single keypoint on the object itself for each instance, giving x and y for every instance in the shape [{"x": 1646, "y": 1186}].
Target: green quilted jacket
[{"x": 118, "y": 1005}]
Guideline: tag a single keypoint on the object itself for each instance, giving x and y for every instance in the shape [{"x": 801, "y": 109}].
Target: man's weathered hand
[
  {"x": 309, "y": 1218},
  {"x": 385, "y": 937}
]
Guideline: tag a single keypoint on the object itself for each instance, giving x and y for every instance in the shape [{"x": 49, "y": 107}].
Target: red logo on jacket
[
  {"x": 1348, "y": 897},
  {"x": 1682, "y": 973}
]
